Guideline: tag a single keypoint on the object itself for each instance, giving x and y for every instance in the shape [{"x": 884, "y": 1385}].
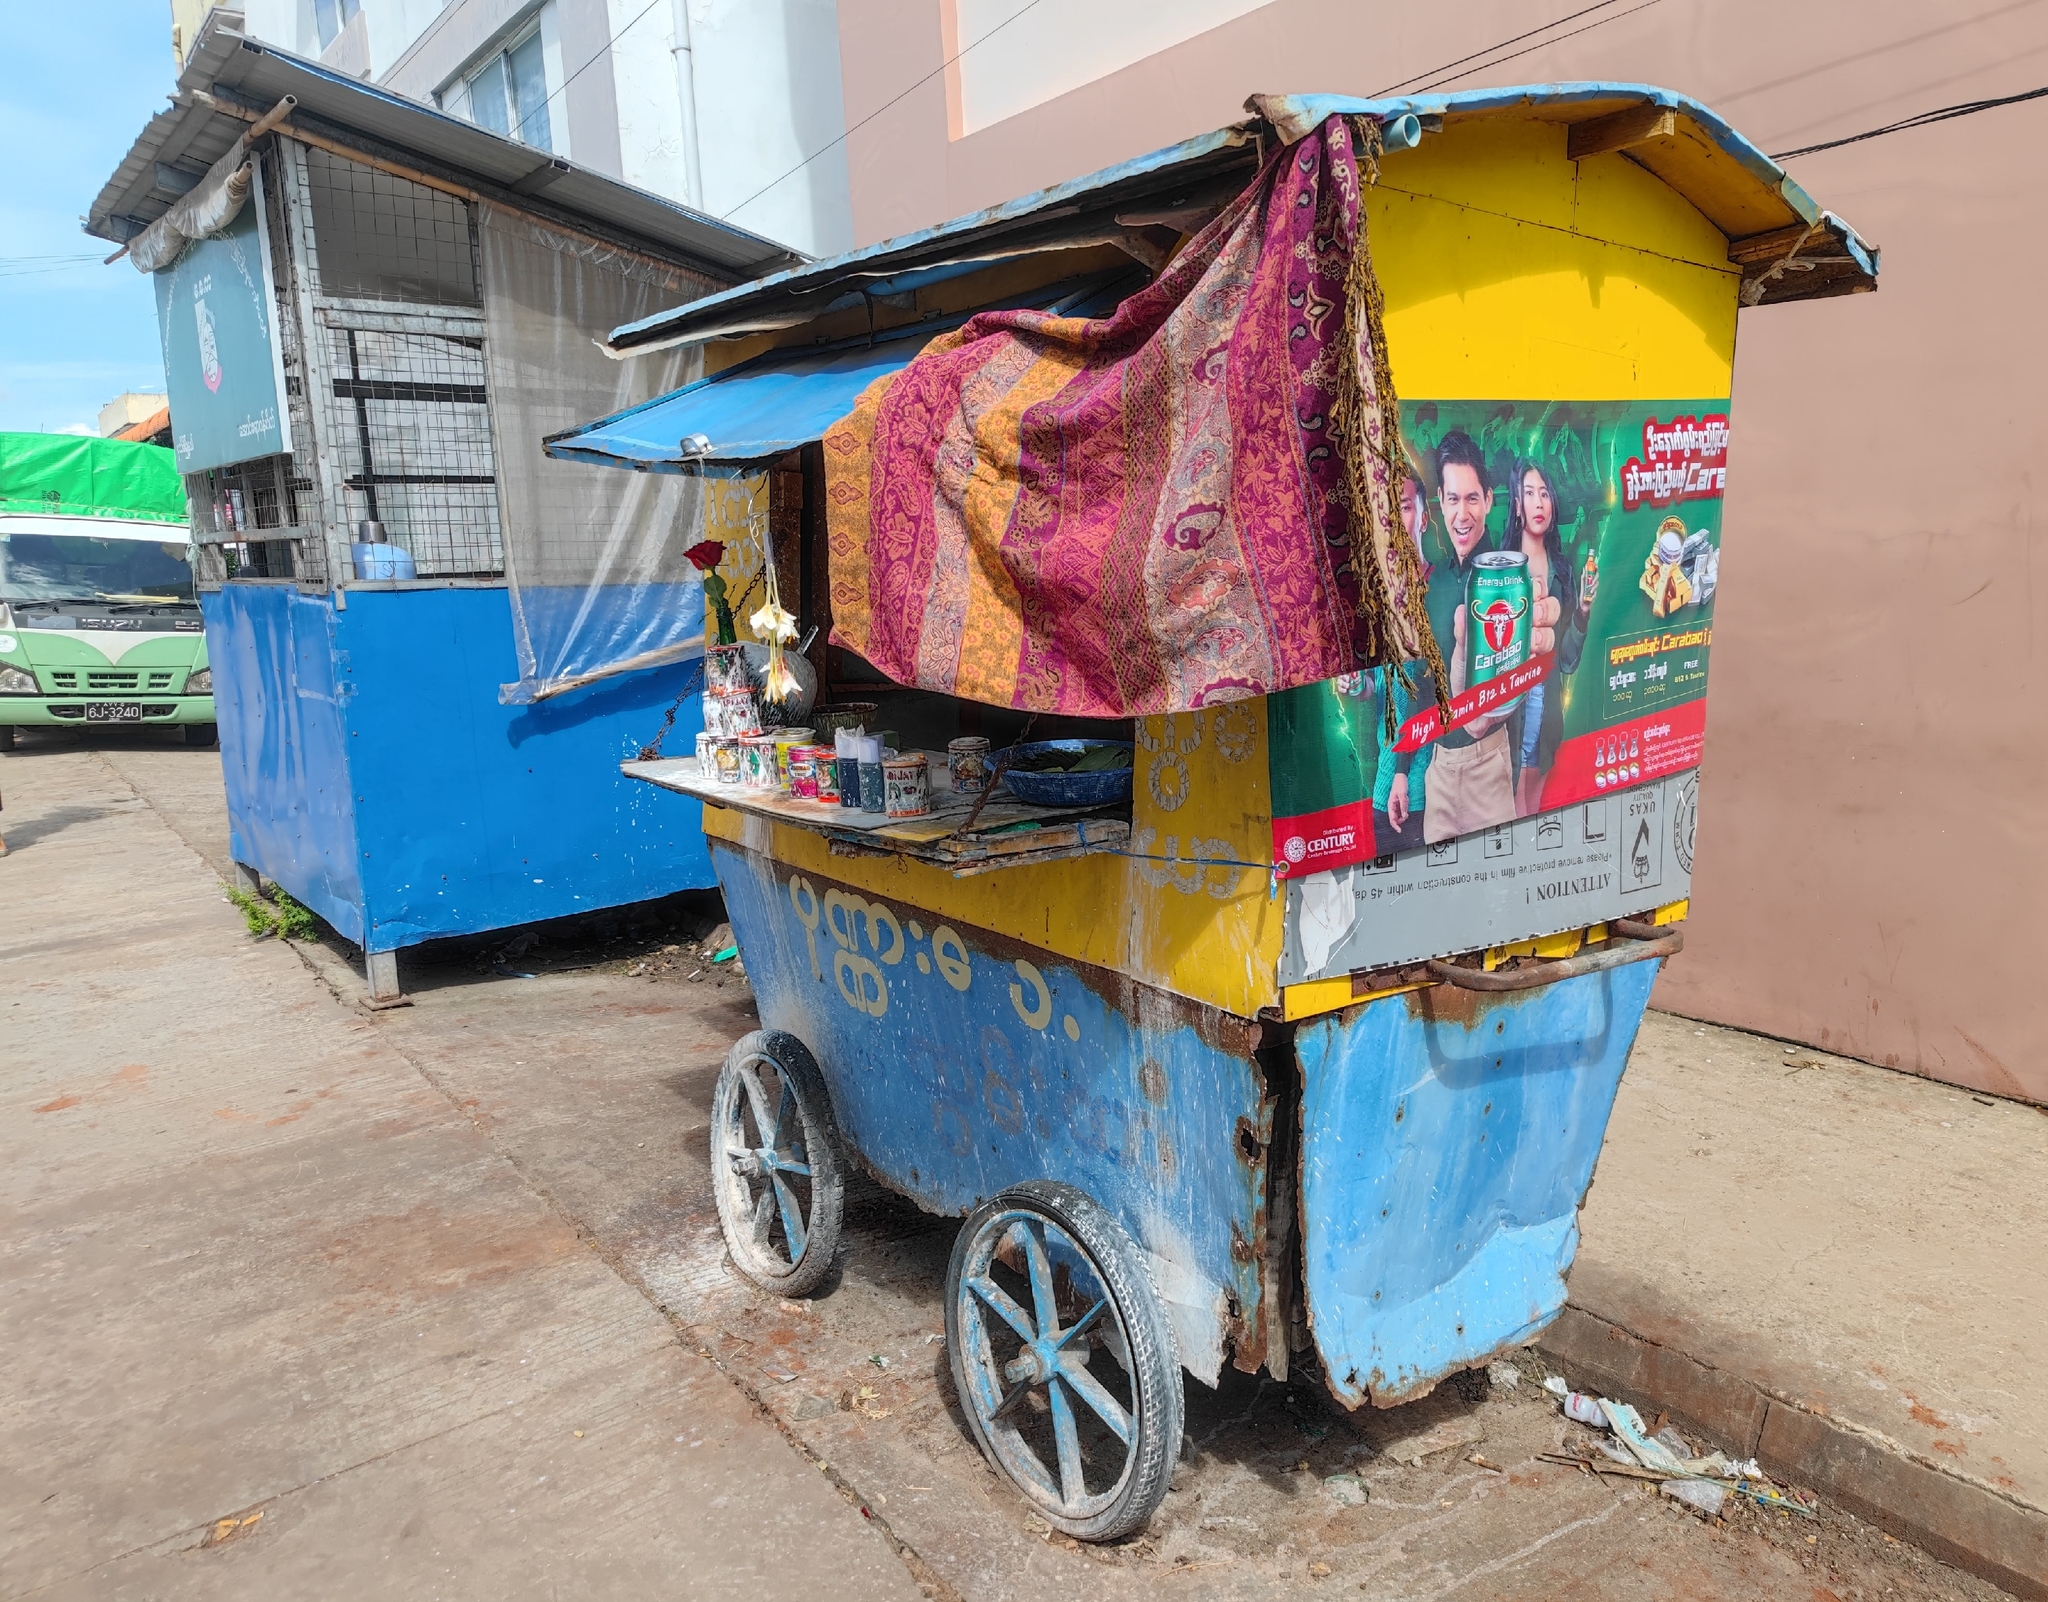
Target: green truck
[{"x": 99, "y": 621}]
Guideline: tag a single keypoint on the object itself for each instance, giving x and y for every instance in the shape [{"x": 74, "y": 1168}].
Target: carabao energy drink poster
[{"x": 1572, "y": 552}]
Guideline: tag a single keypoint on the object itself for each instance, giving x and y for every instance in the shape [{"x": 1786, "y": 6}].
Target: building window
[
  {"x": 331, "y": 16},
  {"x": 508, "y": 92}
]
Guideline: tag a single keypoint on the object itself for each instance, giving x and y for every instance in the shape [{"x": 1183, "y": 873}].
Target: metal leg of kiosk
[
  {"x": 382, "y": 967},
  {"x": 248, "y": 880}
]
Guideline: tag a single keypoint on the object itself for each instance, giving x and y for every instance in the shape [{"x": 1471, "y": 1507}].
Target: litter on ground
[{"x": 1629, "y": 1451}]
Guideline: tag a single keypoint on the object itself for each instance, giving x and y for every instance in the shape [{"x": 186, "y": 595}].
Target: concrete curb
[{"x": 1968, "y": 1525}]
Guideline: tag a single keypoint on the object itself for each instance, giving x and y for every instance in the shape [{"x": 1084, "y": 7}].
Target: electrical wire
[
  {"x": 1541, "y": 44},
  {"x": 1924, "y": 119},
  {"x": 871, "y": 116},
  {"x": 26, "y": 266},
  {"x": 1559, "y": 22}
]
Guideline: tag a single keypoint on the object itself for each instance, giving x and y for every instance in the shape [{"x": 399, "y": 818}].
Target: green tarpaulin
[{"x": 75, "y": 475}]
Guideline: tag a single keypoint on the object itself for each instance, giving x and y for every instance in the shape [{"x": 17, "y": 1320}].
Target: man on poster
[{"x": 1472, "y": 775}]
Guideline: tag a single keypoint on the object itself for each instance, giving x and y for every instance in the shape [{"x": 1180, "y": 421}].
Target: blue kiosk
[{"x": 431, "y": 645}]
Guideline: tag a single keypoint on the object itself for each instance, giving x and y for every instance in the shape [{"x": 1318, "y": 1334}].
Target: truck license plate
[{"x": 113, "y": 711}]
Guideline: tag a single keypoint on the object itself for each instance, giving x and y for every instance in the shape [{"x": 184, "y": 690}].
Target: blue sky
[{"x": 83, "y": 77}]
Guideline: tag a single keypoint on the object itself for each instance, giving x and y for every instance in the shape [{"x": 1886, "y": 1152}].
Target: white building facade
[{"x": 732, "y": 107}]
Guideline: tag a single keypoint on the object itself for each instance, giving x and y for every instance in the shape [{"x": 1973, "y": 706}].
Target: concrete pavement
[
  {"x": 587, "y": 1092},
  {"x": 1837, "y": 1268},
  {"x": 281, "y": 1320}
]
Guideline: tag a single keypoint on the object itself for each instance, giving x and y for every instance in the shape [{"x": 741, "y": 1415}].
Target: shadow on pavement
[{"x": 31, "y": 828}]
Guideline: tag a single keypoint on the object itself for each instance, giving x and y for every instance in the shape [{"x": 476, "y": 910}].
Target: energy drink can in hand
[{"x": 1497, "y": 600}]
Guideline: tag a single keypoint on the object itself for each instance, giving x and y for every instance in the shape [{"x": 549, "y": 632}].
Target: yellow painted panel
[
  {"x": 1513, "y": 168},
  {"x": 1169, "y": 913},
  {"x": 1201, "y": 793},
  {"x": 1316, "y": 996},
  {"x": 1512, "y": 273},
  {"x": 1319, "y": 996}
]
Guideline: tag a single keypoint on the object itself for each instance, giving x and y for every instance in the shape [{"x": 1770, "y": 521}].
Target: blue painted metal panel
[
  {"x": 1447, "y": 1141},
  {"x": 960, "y": 1063},
  {"x": 473, "y": 815},
  {"x": 373, "y": 773},
  {"x": 283, "y": 745}
]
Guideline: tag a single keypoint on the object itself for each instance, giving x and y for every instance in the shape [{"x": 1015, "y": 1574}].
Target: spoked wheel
[
  {"x": 1065, "y": 1364},
  {"x": 775, "y": 1163}
]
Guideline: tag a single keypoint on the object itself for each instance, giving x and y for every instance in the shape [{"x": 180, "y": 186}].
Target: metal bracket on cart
[{"x": 1645, "y": 942}]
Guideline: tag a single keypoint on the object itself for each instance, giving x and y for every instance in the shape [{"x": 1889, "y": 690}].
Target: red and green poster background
[{"x": 1634, "y": 544}]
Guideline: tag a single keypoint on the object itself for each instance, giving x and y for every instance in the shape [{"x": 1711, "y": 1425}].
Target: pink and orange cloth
[{"x": 1135, "y": 514}]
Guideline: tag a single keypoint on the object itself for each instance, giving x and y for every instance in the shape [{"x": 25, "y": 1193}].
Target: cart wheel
[
  {"x": 775, "y": 1163},
  {"x": 1063, "y": 1358}
]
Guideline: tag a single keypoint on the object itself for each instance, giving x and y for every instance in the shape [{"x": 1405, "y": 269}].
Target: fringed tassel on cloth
[{"x": 1367, "y": 422}]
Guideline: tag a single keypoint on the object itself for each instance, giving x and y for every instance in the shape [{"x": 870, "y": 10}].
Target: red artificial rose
[{"x": 706, "y": 555}]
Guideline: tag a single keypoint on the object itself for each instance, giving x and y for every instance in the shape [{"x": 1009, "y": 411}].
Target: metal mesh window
[
  {"x": 395, "y": 367},
  {"x": 386, "y": 238},
  {"x": 244, "y": 559},
  {"x": 247, "y": 498},
  {"x": 411, "y": 423}
]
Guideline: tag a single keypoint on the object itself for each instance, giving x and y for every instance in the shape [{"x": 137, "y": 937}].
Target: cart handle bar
[{"x": 1654, "y": 943}]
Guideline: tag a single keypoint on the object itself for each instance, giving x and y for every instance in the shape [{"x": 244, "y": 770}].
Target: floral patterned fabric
[{"x": 1142, "y": 513}]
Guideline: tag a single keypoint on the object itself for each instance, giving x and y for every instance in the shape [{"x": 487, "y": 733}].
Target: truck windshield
[{"x": 70, "y": 567}]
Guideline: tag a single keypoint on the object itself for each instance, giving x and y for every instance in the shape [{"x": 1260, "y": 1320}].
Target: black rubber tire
[
  {"x": 6, "y": 736},
  {"x": 758, "y": 1257},
  {"x": 204, "y": 736},
  {"x": 1154, "y": 1355}
]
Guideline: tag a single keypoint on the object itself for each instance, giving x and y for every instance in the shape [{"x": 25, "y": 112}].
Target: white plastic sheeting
[
  {"x": 593, "y": 556},
  {"x": 211, "y": 204}
]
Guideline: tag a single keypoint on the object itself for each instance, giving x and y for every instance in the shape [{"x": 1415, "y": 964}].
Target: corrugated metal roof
[
  {"x": 1735, "y": 186},
  {"x": 183, "y": 140}
]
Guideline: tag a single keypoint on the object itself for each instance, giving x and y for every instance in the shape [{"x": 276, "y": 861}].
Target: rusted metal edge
[{"x": 1651, "y": 944}]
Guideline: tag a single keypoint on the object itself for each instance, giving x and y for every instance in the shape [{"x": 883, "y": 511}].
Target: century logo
[{"x": 1341, "y": 838}]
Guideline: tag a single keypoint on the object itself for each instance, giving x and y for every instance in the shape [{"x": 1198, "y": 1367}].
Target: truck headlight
[
  {"x": 200, "y": 683},
  {"x": 13, "y": 681}
]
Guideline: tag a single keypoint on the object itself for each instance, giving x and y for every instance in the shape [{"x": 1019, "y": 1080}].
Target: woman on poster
[{"x": 1532, "y": 530}]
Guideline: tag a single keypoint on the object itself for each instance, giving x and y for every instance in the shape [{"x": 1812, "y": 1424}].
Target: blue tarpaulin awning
[
  {"x": 758, "y": 410},
  {"x": 746, "y": 415}
]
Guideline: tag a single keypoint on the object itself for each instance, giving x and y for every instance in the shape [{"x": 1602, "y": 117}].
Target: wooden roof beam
[{"x": 1620, "y": 129}]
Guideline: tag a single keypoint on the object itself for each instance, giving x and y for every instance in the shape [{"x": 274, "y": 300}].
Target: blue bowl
[{"x": 1066, "y": 789}]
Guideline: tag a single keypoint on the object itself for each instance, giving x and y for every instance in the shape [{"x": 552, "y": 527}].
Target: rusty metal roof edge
[
  {"x": 869, "y": 259},
  {"x": 1298, "y": 111}
]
